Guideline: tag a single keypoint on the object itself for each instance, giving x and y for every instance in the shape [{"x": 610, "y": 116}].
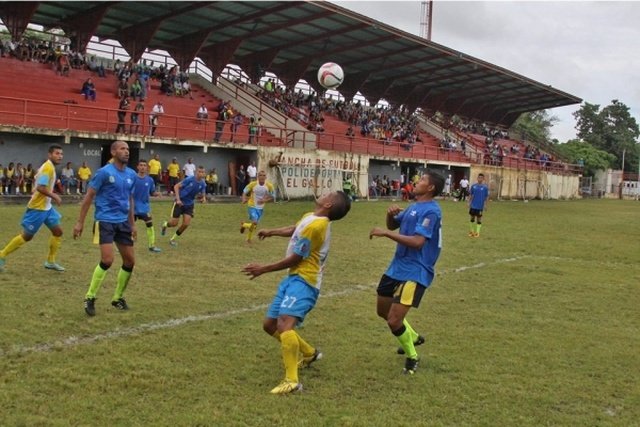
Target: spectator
[
  {"x": 237, "y": 120},
  {"x": 189, "y": 168},
  {"x": 68, "y": 178},
  {"x": 241, "y": 177},
  {"x": 202, "y": 114},
  {"x": 134, "y": 128},
  {"x": 89, "y": 89},
  {"x": 252, "y": 171},
  {"x": 122, "y": 114},
  {"x": 29, "y": 175},
  {"x": 154, "y": 117},
  {"x": 123, "y": 88},
  {"x": 253, "y": 129},
  {"x": 84, "y": 174},
  {"x": 212, "y": 182},
  {"x": 174, "y": 174},
  {"x": 136, "y": 90}
]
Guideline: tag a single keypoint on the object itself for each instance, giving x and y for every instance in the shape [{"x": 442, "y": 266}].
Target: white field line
[{"x": 71, "y": 341}]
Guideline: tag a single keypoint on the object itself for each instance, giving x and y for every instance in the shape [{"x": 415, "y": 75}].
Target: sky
[{"x": 588, "y": 49}]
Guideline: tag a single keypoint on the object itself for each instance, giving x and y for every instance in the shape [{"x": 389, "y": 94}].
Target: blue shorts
[
  {"x": 109, "y": 232},
  {"x": 255, "y": 215},
  {"x": 33, "y": 219},
  {"x": 294, "y": 298}
]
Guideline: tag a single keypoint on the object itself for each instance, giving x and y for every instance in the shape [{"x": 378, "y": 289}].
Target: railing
[{"x": 87, "y": 118}]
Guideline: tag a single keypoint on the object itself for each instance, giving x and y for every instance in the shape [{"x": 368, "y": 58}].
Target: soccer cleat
[
  {"x": 164, "y": 228},
  {"x": 2, "y": 263},
  {"x": 471, "y": 234},
  {"x": 410, "y": 366},
  {"x": 155, "y": 249},
  {"x": 173, "y": 243},
  {"x": 306, "y": 362},
  {"x": 419, "y": 341},
  {"x": 476, "y": 234},
  {"x": 286, "y": 387},
  {"x": 53, "y": 266},
  {"x": 90, "y": 306},
  {"x": 120, "y": 304},
  {"x": 241, "y": 228}
]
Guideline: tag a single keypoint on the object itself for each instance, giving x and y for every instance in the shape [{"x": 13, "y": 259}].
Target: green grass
[{"x": 541, "y": 328}]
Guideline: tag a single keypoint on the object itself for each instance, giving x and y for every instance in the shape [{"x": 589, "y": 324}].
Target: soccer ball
[{"x": 330, "y": 75}]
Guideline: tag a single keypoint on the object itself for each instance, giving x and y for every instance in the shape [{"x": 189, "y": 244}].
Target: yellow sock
[
  {"x": 478, "y": 228},
  {"x": 13, "y": 245},
  {"x": 305, "y": 347},
  {"x": 414, "y": 334},
  {"x": 54, "y": 245},
  {"x": 252, "y": 228},
  {"x": 290, "y": 348}
]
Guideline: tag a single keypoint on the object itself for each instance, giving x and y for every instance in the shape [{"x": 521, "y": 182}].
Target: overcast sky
[{"x": 588, "y": 49}]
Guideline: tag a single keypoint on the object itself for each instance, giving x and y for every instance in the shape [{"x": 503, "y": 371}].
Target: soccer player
[
  {"x": 186, "y": 192},
  {"x": 298, "y": 291},
  {"x": 143, "y": 188},
  {"x": 39, "y": 211},
  {"x": 478, "y": 196},
  {"x": 255, "y": 195},
  {"x": 412, "y": 268},
  {"x": 112, "y": 189}
]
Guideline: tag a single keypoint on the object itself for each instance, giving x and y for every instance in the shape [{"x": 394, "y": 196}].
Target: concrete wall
[{"x": 33, "y": 149}]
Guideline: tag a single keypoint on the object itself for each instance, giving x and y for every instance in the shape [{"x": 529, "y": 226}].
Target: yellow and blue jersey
[
  {"x": 310, "y": 240},
  {"x": 418, "y": 265},
  {"x": 258, "y": 193},
  {"x": 46, "y": 176},
  {"x": 114, "y": 188}
]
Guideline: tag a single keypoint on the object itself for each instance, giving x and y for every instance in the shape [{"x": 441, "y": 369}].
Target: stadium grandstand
[{"x": 228, "y": 83}]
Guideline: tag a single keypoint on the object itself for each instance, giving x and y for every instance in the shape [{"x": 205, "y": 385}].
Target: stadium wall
[{"x": 509, "y": 183}]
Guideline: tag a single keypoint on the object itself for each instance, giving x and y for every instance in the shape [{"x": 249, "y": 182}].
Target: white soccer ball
[{"x": 330, "y": 75}]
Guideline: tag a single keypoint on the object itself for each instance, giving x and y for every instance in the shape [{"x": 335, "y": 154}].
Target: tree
[
  {"x": 534, "y": 126},
  {"x": 611, "y": 129},
  {"x": 581, "y": 152}
]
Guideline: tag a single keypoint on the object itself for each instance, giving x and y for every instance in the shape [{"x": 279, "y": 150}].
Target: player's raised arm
[
  {"x": 279, "y": 232},
  {"x": 255, "y": 270}
]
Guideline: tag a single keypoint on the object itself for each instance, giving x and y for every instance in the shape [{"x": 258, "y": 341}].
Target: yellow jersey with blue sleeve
[
  {"x": 310, "y": 240},
  {"x": 46, "y": 176},
  {"x": 258, "y": 193}
]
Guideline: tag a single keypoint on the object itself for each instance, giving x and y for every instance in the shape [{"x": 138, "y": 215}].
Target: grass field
[{"x": 535, "y": 323}]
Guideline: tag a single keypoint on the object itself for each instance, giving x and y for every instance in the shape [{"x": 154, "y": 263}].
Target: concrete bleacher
[{"x": 55, "y": 101}]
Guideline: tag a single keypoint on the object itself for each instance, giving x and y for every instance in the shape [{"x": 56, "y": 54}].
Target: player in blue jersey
[
  {"x": 186, "y": 192},
  {"x": 412, "y": 268},
  {"x": 40, "y": 211},
  {"x": 112, "y": 189},
  {"x": 478, "y": 196},
  {"x": 143, "y": 188}
]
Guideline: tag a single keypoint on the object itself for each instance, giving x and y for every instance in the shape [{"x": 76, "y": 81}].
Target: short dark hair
[
  {"x": 341, "y": 206},
  {"x": 481, "y": 174},
  {"x": 142, "y": 161},
  {"x": 54, "y": 147},
  {"x": 437, "y": 180}
]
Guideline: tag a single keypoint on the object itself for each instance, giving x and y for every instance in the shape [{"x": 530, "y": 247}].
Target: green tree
[
  {"x": 534, "y": 126},
  {"x": 611, "y": 129},
  {"x": 581, "y": 152}
]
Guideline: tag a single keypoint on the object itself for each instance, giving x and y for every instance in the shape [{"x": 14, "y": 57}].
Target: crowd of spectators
[
  {"x": 17, "y": 179},
  {"x": 383, "y": 123}
]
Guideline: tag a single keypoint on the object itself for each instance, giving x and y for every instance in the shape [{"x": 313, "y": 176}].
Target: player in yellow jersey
[
  {"x": 297, "y": 294},
  {"x": 256, "y": 194},
  {"x": 39, "y": 212}
]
